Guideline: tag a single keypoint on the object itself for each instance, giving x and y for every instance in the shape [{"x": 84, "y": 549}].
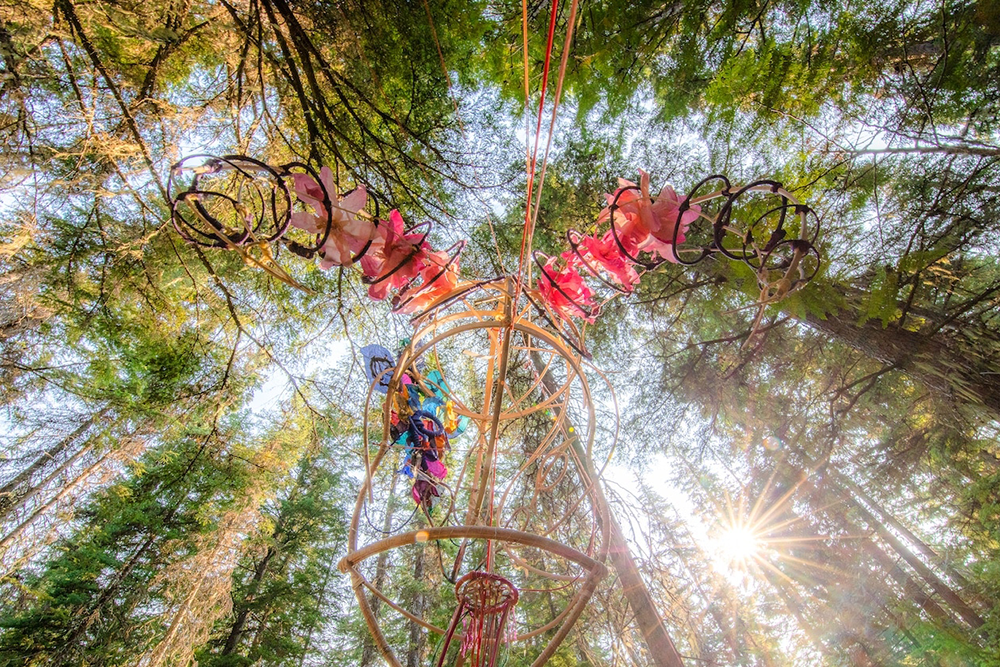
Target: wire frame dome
[{"x": 524, "y": 515}]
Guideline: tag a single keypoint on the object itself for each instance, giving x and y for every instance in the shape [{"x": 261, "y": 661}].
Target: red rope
[
  {"x": 527, "y": 210},
  {"x": 552, "y": 126},
  {"x": 538, "y": 131},
  {"x": 531, "y": 163}
]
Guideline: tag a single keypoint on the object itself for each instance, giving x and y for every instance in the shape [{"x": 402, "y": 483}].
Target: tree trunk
[
  {"x": 239, "y": 624},
  {"x": 87, "y": 616},
  {"x": 941, "y": 367},
  {"x": 908, "y": 535},
  {"x": 727, "y": 630},
  {"x": 17, "y": 530},
  {"x": 937, "y": 585},
  {"x": 662, "y": 651},
  {"x": 661, "y": 647},
  {"x": 8, "y": 503},
  {"x": 369, "y": 652},
  {"x": 258, "y": 634},
  {"x": 35, "y": 490},
  {"x": 263, "y": 567},
  {"x": 989, "y": 459},
  {"x": 414, "y": 655},
  {"x": 857, "y": 638},
  {"x": 160, "y": 652},
  {"x": 909, "y": 586}
]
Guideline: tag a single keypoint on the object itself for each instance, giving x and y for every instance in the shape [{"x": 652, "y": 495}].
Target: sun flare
[
  {"x": 736, "y": 546},
  {"x": 751, "y": 539}
]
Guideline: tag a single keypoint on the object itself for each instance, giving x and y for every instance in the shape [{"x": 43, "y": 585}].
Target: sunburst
[
  {"x": 736, "y": 545},
  {"x": 752, "y": 539}
]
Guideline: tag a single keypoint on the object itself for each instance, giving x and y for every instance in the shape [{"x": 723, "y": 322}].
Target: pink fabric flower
[
  {"x": 348, "y": 233},
  {"x": 310, "y": 192},
  {"x": 647, "y": 223},
  {"x": 604, "y": 253},
  {"x": 631, "y": 225},
  {"x": 631, "y": 233},
  {"x": 569, "y": 280},
  {"x": 665, "y": 213},
  {"x": 393, "y": 248},
  {"x": 438, "y": 278}
]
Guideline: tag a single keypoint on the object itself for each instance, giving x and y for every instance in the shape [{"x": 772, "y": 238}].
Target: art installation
[
  {"x": 499, "y": 334},
  {"x": 486, "y": 413},
  {"x": 483, "y": 461}
]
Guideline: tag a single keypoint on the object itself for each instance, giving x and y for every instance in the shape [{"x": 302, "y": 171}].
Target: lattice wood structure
[{"x": 526, "y": 503}]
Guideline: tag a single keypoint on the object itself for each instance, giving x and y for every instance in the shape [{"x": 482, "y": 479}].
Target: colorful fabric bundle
[
  {"x": 426, "y": 443},
  {"x": 419, "y": 422}
]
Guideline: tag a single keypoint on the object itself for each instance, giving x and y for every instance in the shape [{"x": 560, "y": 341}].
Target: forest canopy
[{"x": 814, "y": 480}]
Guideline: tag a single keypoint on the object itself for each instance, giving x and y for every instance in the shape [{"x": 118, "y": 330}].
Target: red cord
[{"x": 534, "y": 153}]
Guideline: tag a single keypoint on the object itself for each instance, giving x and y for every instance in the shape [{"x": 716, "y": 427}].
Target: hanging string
[
  {"x": 485, "y": 607},
  {"x": 527, "y": 92},
  {"x": 493, "y": 488},
  {"x": 532, "y": 158}
]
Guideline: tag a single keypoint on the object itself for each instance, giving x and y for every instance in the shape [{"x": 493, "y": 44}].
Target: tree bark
[
  {"x": 953, "y": 600},
  {"x": 910, "y": 587},
  {"x": 661, "y": 647},
  {"x": 861, "y": 644},
  {"x": 989, "y": 459},
  {"x": 414, "y": 655},
  {"x": 369, "y": 652},
  {"x": 891, "y": 521},
  {"x": 17, "y": 530},
  {"x": 941, "y": 367},
  {"x": 239, "y": 624}
]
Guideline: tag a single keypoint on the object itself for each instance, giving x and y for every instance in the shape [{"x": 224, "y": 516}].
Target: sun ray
[
  {"x": 778, "y": 541},
  {"x": 825, "y": 567},
  {"x": 760, "y": 500},
  {"x": 771, "y": 567},
  {"x": 759, "y": 532}
]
